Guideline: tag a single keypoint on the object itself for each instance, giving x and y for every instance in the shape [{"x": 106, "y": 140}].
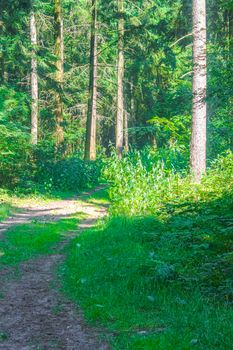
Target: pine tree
[
  {"x": 90, "y": 145},
  {"x": 59, "y": 76}
]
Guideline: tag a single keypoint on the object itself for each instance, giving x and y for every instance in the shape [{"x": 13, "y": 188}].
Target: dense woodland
[
  {"x": 135, "y": 95},
  {"x": 90, "y": 75}
]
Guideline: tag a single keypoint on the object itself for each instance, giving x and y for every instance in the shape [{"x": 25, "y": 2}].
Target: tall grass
[{"x": 145, "y": 183}]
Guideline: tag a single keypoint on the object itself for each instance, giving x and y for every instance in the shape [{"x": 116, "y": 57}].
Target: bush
[
  {"x": 14, "y": 153},
  {"x": 41, "y": 169},
  {"x": 74, "y": 173},
  {"x": 145, "y": 184}
]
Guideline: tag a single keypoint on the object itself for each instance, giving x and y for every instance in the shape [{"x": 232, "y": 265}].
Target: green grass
[
  {"x": 5, "y": 210},
  {"x": 23, "y": 242},
  {"x": 100, "y": 197},
  {"x": 164, "y": 283}
]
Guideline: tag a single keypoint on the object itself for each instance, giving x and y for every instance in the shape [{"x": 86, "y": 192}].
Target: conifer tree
[
  {"x": 90, "y": 145},
  {"x": 59, "y": 75}
]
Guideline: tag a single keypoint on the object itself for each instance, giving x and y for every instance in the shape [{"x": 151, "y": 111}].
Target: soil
[{"x": 34, "y": 314}]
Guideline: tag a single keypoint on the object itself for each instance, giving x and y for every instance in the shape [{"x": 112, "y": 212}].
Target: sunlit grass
[
  {"x": 5, "y": 210},
  {"x": 24, "y": 242},
  {"x": 98, "y": 197},
  {"x": 158, "y": 283}
]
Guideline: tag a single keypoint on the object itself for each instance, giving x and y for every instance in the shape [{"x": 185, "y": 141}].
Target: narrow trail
[
  {"x": 52, "y": 210},
  {"x": 33, "y": 313}
]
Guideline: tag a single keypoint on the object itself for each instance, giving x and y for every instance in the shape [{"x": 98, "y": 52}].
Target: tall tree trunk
[
  {"x": 230, "y": 30},
  {"x": 59, "y": 76},
  {"x": 120, "y": 66},
  {"x": 132, "y": 109},
  {"x": 2, "y": 55},
  {"x": 34, "y": 81},
  {"x": 2, "y": 68},
  {"x": 90, "y": 145},
  {"x": 126, "y": 132},
  {"x": 198, "y": 141}
]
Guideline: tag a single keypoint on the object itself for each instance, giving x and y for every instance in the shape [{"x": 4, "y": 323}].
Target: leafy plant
[{"x": 147, "y": 182}]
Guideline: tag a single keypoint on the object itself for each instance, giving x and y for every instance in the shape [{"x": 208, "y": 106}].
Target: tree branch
[{"x": 183, "y": 37}]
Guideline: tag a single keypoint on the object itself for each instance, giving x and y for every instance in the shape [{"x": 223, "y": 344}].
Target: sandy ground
[{"x": 33, "y": 313}]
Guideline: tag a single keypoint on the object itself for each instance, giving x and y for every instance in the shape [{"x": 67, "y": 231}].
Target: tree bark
[
  {"x": 198, "y": 140},
  {"x": 132, "y": 109},
  {"x": 120, "y": 69},
  {"x": 34, "y": 81},
  {"x": 230, "y": 31},
  {"x": 126, "y": 132},
  {"x": 90, "y": 145},
  {"x": 59, "y": 75}
]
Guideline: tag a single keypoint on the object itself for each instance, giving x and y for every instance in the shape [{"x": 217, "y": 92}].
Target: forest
[{"x": 116, "y": 174}]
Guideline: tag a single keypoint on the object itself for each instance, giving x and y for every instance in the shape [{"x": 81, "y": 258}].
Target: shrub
[
  {"x": 74, "y": 173},
  {"x": 144, "y": 184},
  {"x": 14, "y": 153}
]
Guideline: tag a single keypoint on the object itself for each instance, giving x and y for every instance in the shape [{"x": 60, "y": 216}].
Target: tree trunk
[
  {"x": 126, "y": 132},
  {"x": 34, "y": 82},
  {"x": 90, "y": 145},
  {"x": 59, "y": 75},
  {"x": 2, "y": 67},
  {"x": 132, "y": 109},
  {"x": 198, "y": 141},
  {"x": 230, "y": 31},
  {"x": 120, "y": 66}
]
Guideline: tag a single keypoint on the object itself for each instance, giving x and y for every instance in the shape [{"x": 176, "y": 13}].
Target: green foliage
[
  {"x": 14, "y": 145},
  {"x": 172, "y": 131},
  {"x": 145, "y": 183},
  {"x": 42, "y": 169},
  {"x": 158, "y": 274},
  {"x": 73, "y": 173},
  {"x": 98, "y": 198},
  {"x": 157, "y": 283},
  {"x": 5, "y": 210},
  {"x": 157, "y": 81}
]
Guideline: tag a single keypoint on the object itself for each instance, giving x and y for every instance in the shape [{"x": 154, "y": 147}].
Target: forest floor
[
  {"x": 34, "y": 314},
  {"x": 142, "y": 282}
]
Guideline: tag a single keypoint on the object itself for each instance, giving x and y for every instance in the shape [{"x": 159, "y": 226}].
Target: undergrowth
[
  {"x": 5, "y": 210},
  {"x": 159, "y": 276},
  {"x": 142, "y": 185}
]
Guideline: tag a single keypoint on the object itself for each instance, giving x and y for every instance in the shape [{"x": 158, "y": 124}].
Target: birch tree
[
  {"x": 90, "y": 145},
  {"x": 120, "y": 79},
  {"x": 198, "y": 140},
  {"x": 34, "y": 81}
]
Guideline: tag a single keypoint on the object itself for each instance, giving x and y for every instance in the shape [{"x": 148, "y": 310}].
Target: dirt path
[
  {"x": 48, "y": 211},
  {"x": 33, "y": 314}
]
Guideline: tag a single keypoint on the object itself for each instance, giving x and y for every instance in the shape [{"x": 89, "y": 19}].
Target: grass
[
  {"x": 19, "y": 200},
  {"x": 158, "y": 283},
  {"x": 100, "y": 197},
  {"x": 23, "y": 242},
  {"x": 5, "y": 210}
]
